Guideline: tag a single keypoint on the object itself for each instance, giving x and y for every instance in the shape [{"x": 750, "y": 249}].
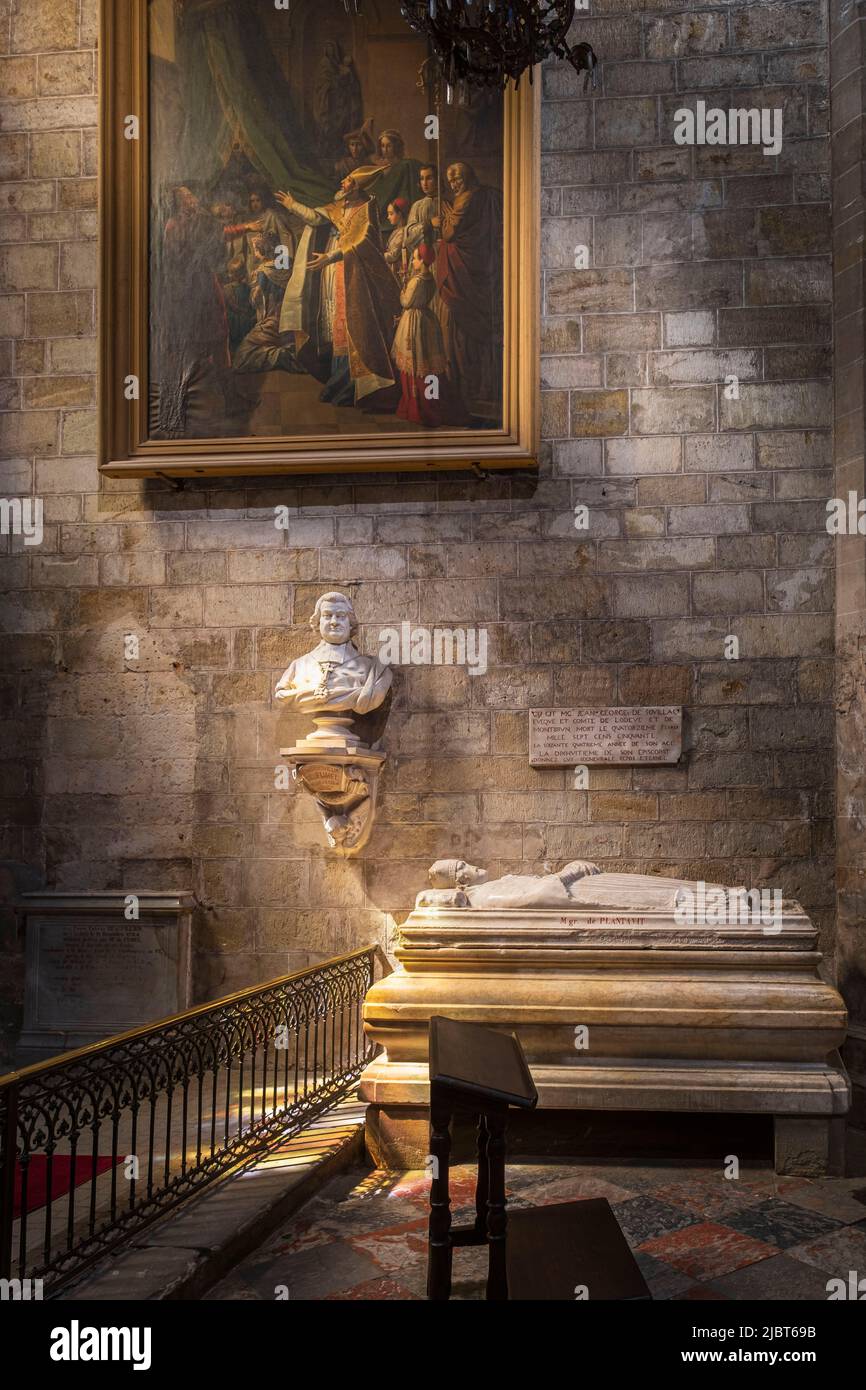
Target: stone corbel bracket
[{"x": 344, "y": 785}]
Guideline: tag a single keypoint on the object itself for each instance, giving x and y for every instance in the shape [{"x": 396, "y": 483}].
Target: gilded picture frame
[{"x": 189, "y": 288}]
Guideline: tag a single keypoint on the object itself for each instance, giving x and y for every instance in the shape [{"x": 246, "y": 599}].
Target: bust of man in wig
[{"x": 335, "y": 677}]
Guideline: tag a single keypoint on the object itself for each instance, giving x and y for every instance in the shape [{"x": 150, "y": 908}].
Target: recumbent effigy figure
[{"x": 580, "y": 885}]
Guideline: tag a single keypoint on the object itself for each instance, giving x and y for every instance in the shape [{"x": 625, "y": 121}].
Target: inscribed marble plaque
[{"x": 575, "y": 737}]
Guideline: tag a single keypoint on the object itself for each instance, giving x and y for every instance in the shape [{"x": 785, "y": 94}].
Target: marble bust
[
  {"x": 334, "y": 679},
  {"x": 348, "y": 697},
  {"x": 454, "y": 883}
]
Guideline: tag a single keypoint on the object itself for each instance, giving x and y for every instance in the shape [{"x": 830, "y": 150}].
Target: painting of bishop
[{"x": 319, "y": 264}]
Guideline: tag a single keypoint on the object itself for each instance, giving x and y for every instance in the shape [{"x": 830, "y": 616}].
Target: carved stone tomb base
[{"x": 620, "y": 1011}]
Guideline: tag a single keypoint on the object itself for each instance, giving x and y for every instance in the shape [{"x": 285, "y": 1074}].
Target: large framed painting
[{"x": 311, "y": 260}]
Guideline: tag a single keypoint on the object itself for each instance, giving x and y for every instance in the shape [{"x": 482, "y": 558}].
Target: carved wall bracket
[{"x": 345, "y": 788}]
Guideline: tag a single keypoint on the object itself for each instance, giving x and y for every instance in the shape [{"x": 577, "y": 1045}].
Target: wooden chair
[{"x": 568, "y": 1251}]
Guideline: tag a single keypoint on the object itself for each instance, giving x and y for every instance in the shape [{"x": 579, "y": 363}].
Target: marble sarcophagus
[{"x": 627, "y": 993}]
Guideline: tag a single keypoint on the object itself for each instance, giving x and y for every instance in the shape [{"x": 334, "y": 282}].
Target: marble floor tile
[
  {"x": 321, "y": 1221},
  {"x": 651, "y": 1176},
  {"x": 837, "y": 1252},
  {"x": 780, "y": 1223},
  {"x": 707, "y": 1250},
  {"x": 662, "y": 1279},
  {"x": 394, "y": 1247},
  {"x": 643, "y": 1218},
  {"x": 310, "y": 1274},
  {"x": 696, "y": 1236},
  {"x": 699, "y": 1293},
  {"x": 834, "y": 1197},
  {"x": 574, "y": 1187},
  {"x": 413, "y": 1186},
  {"x": 376, "y": 1290},
  {"x": 234, "y": 1290},
  {"x": 779, "y": 1279},
  {"x": 713, "y": 1199}
]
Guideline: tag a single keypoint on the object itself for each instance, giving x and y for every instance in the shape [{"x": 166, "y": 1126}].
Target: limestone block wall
[
  {"x": 706, "y": 520},
  {"x": 847, "y": 75}
]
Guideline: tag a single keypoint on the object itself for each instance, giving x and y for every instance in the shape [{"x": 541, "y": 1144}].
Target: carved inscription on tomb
[
  {"x": 572, "y": 737},
  {"x": 104, "y": 974}
]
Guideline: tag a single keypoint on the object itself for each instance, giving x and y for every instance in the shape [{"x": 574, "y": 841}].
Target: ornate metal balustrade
[{"x": 98, "y": 1143}]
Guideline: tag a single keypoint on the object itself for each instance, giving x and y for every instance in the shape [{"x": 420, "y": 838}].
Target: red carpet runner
[{"x": 61, "y": 1178}]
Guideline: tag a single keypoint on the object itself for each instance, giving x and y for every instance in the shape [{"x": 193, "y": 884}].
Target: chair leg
[
  {"x": 497, "y": 1220},
  {"x": 439, "y": 1237},
  {"x": 482, "y": 1184}
]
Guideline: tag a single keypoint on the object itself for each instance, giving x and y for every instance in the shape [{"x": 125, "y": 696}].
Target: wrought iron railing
[{"x": 96, "y": 1144}]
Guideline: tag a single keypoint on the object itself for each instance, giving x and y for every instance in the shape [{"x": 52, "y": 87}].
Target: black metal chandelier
[{"x": 489, "y": 43}]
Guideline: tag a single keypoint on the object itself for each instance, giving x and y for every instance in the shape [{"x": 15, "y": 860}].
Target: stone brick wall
[
  {"x": 706, "y": 519},
  {"x": 848, "y": 69}
]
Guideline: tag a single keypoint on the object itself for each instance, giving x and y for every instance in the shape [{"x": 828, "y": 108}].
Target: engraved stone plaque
[
  {"x": 574, "y": 737},
  {"x": 92, "y": 972},
  {"x": 323, "y": 778}
]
